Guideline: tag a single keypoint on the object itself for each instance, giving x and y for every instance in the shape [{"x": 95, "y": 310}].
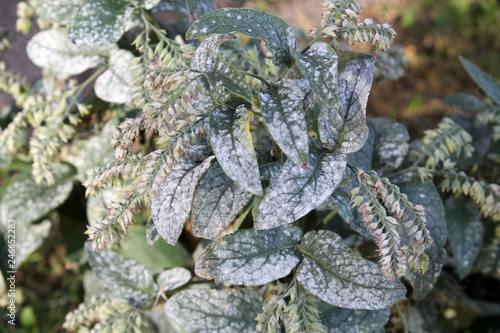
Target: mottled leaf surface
[
  {"x": 152, "y": 234},
  {"x": 221, "y": 311},
  {"x": 277, "y": 34},
  {"x": 207, "y": 54},
  {"x": 148, "y": 4},
  {"x": 489, "y": 85},
  {"x": 331, "y": 271},
  {"x": 233, "y": 146},
  {"x": 297, "y": 191},
  {"x": 343, "y": 128},
  {"x": 282, "y": 110},
  {"x": 194, "y": 8},
  {"x": 171, "y": 210},
  {"x": 217, "y": 202},
  {"x": 100, "y": 22},
  {"x": 250, "y": 257},
  {"x": 465, "y": 233},
  {"x": 122, "y": 277},
  {"x": 115, "y": 84},
  {"x": 426, "y": 194},
  {"x": 228, "y": 77},
  {"x": 319, "y": 65},
  {"x": 173, "y": 278},
  {"x": 339, "y": 320},
  {"x": 51, "y": 49},
  {"x": 308, "y": 102},
  {"x": 59, "y": 11}
]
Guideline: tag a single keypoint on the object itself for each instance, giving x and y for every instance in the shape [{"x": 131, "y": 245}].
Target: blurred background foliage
[{"x": 432, "y": 33}]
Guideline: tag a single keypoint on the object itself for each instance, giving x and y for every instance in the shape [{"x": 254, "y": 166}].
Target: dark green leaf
[
  {"x": 122, "y": 277},
  {"x": 465, "y": 232},
  {"x": 100, "y": 22},
  {"x": 308, "y": 103},
  {"x": 217, "y": 202},
  {"x": 228, "y": 77},
  {"x": 465, "y": 101},
  {"x": 282, "y": 110},
  {"x": 319, "y": 65},
  {"x": 343, "y": 127},
  {"x": 171, "y": 210},
  {"x": 277, "y": 34},
  {"x": 217, "y": 311},
  {"x": 297, "y": 191},
  {"x": 251, "y": 257},
  {"x": 233, "y": 146},
  {"x": 336, "y": 275},
  {"x": 489, "y": 85}
]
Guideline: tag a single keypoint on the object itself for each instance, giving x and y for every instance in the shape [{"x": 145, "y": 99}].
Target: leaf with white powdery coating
[
  {"x": 59, "y": 11},
  {"x": 123, "y": 277},
  {"x": 173, "y": 278},
  {"x": 100, "y": 22},
  {"x": 297, "y": 191},
  {"x": 217, "y": 201},
  {"x": 319, "y": 65},
  {"x": 465, "y": 233},
  {"x": 171, "y": 210},
  {"x": 343, "y": 127},
  {"x": 332, "y": 272},
  {"x": 233, "y": 146},
  {"x": 227, "y": 76},
  {"x": 277, "y": 34},
  {"x": 250, "y": 257},
  {"x": 51, "y": 49},
  {"x": 221, "y": 311},
  {"x": 207, "y": 54},
  {"x": 282, "y": 110},
  {"x": 115, "y": 84}
]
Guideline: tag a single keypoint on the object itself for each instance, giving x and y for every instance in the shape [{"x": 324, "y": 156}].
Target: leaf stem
[
  {"x": 403, "y": 319},
  {"x": 260, "y": 78}
]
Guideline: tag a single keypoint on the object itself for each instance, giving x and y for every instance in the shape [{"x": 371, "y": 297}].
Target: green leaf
[
  {"x": 196, "y": 8},
  {"x": 232, "y": 142},
  {"x": 217, "y": 202},
  {"x": 339, "y": 320},
  {"x": 319, "y": 65},
  {"x": 152, "y": 234},
  {"x": 282, "y": 110},
  {"x": 489, "y": 85},
  {"x": 385, "y": 148},
  {"x": 100, "y": 22},
  {"x": 147, "y": 4},
  {"x": 343, "y": 127},
  {"x": 217, "y": 311},
  {"x": 158, "y": 256},
  {"x": 5, "y": 158},
  {"x": 207, "y": 54},
  {"x": 426, "y": 194},
  {"x": 277, "y": 34},
  {"x": 122, "y": 277},
  {"x": 173, "y": 278},
  {"x": 171, "y": 210},
  {"x": 297, "y": 191},
  {"x": 26, "y": 201},
  {"x": 331, "y": 271},
  {"x": 51, "y": 50},
  {"x": 59, "y": 11},
  {"x": 465, "y": 233},
  {"x": 228, "y": 77},
  {"x": 115, "y": 84},
  {"x": 308, "y": 102},
  {"x": 250, "y": 257}
]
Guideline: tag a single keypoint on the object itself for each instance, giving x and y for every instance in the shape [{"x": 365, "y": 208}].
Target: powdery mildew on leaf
[
  {"x": 173, "y": 278},
  {"x": 171, "y": 210},
  {"x": 221, "y": 311},
  {"x": 319, "y": 65},
  {"x": 217, "y": 202},
  {"x": 233, "y": 146},
  {"x": 331, "y": 271},
  {"x": 250, "y": 257},
  {"x": 29, "y": 237},
  {"x": 308, "y": 102},
  {"x": 282, "y": 110},
  {"x": 100, "y": 22},
  {"x": 152, "y": 234},
  {"x": 148, "y": 4},
  {"x": 25, "y": 201},
  {"x": 207, "y": 54},
  {"x": 465, "y": 233},
  {"x": 343, "y": 127},
  {"x": 277, "y": 34},
  {"x": 339, "y": 320},
  {"x": 228, "y": 77},
  {"x": 115, "y": 84},
  {"x": 59, "y": 11},
  {"x": 297, "y": 191},
  {"x": 123, "y": 277},
  {"x": 52, "y": 50}
]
